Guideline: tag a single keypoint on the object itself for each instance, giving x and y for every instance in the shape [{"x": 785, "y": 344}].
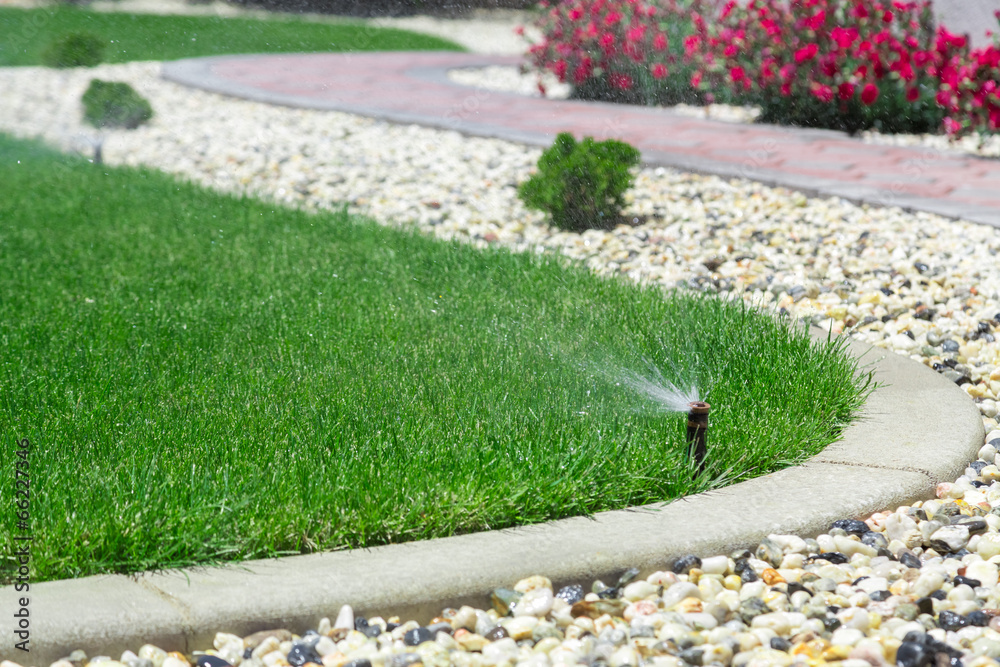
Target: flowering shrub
[
  {"x": 843, "y": 64},
  {"x": 839, "y": 64},
  {"x": 628, "y": 51},
  {"x": 969, "y": 83}
]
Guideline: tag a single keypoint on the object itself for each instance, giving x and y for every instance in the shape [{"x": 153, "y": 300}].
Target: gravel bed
[
  {"x": 512, "y": 79},
  {"x": 917, "y": 586}
]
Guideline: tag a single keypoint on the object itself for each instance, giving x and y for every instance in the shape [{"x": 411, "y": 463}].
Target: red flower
[
  {"x": 727, "y": 9},
  {"x": 737, "y": 74},
  {"x": 815, "y": 22},
  {"x": 696, "y": 79},
  {"x": 612, "y": 18},
  {"x": 576, "y": 13},
  {"x": 846, "y": 90},
  {"x": 912, "y": 94},
  {"x": 620, "y": 81},
  {"x": 823, "y": 93},
  {"x": 660, "y": 41},
  {"x": 559, "y": 69},
  {"x": 869, "y": 93},
  {"x": 659, "y": 71},
  {"x": 806, "y": 53},
  {"x": 607, "y": 42},
  {"x": 887, "y": 17},
  {"x": 844, "y": 37}
]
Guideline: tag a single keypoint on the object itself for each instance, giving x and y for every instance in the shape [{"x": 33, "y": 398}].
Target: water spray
[{"x": 697, "y": 432}]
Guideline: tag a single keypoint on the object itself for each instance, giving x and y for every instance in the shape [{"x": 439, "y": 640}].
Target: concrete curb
[{"x": 917, "y": 429}]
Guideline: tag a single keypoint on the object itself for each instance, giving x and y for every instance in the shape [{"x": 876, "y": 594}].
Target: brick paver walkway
[{"x": 414, "y": 88}]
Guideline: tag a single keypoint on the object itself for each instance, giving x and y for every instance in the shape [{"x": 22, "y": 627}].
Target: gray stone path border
[{"x": 917, "y": 429}]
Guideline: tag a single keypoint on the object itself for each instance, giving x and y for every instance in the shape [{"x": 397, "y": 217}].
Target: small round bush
[
  {"x": 581, "y": 185},
  {"x": 116, "y": 105},
  {"x": 74, "y": 49}
]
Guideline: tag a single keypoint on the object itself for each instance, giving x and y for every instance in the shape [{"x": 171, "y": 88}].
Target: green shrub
[
  {"x": 113, "y": 104},
  {"x": 580, "y": 185},
  {"x": 74, "y": 49}
]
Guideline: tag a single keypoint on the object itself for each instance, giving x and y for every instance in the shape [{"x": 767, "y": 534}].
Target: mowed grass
[
  {"x": 25, "y": 34},
  {"x": 205, "y": 377}
]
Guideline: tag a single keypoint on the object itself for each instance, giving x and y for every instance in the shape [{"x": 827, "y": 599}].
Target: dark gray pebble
[
  {"x": 418, "y": 636},
  {"x": 359, "y": 662},
  {"x": 691, "y": 656},
  {"x": 978, "y": 618},
  {"x": 830, "y": 623},
  {"x": 926, "y": 605},
  {"x": 972, "y": 583},
  {"x": 873, "y": 539},
  {"x": 852, "y": 526},
  {"x": 974, "y": 524},
  {"x": 627, "y": 577},
  {"x": 879, "y": 596},
  {"x": 956, "y": 377},
  {"x": 571, "y": 594},
  {"x": 752, "y": 608},
  {"x": 496, "y": 632},
  {"x": 909, "y": 560},
  {"x": 950, "y": 345},
  {"x": 685, "y": 564},
  {"x": 834, "y": 557},
  {"x": 301, "y": 653},
  {"x": 910, "y": 654},
  {"x": 780, "y": 644},
  {"x": 949, "y": 620},
  {"x": 210, "y": 661}
]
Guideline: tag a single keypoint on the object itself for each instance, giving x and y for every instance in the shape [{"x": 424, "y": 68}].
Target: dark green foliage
[
  {"x": 114, "y": 104},
  {"x": 74, "y": 49},
  {"x": 580, "y": 185},
  {"x": 891, "y": 113}
]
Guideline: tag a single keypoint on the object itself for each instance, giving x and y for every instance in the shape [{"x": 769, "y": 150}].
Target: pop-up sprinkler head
[{"x": 697, "y": 432}]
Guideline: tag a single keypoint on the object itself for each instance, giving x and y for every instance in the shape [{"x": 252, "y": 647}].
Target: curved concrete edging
[{"x": 916, "y": 429}]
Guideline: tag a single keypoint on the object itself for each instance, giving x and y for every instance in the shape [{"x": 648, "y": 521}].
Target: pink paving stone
[{"x": 414, "y": 85}]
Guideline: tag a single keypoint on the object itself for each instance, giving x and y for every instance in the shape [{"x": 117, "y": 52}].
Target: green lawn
[
  {"x": 25, "y": 34},
  {"x": 206, "y": 378}
]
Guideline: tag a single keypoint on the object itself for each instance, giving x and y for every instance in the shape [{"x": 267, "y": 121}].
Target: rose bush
[
  {"x": 968, "y": 83},
  {"x": 840, "y": 64},
  {"x": 627, "y": 51}
]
